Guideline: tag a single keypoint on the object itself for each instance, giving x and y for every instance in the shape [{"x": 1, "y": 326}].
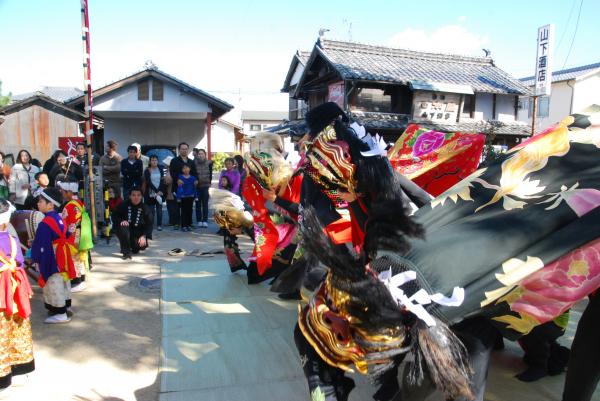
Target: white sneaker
[
  {"x": 79, "y": 287},
  {"x": 56, "y": 319},
  {"x": 204, "y": 224}
]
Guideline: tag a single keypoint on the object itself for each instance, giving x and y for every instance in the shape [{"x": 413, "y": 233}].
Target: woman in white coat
[{"x": 22, "y": 179}]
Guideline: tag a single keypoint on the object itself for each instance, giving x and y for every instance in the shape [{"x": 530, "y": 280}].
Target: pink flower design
[
  {"x": 558, "y": 286},
  {"x": 428, "y": 142}
]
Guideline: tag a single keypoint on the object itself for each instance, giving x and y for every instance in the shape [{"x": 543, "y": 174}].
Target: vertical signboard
[
  {"x": 336, "y": 93},
  {"x": 543, "y": 61}
]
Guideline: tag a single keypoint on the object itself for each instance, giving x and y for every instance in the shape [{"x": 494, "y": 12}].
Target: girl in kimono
[
  {"x": 53, "y": 249},
  {"x": 16, "y": 343}
]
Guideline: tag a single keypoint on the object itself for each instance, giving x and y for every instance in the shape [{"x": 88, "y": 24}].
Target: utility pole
[
  {"x": 87, "y": 110},
  {"x": 534, "y": 114}
]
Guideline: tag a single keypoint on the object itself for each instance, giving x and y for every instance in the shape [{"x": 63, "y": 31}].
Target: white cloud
[
  {"x": 462, "y": 18},
  {"x": 445, "y": 39}
]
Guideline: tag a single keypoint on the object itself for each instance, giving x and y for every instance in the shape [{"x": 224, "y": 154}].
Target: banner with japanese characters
[
  {"x": 543, "y": 61},
  {"x": 69, "y": 144}
]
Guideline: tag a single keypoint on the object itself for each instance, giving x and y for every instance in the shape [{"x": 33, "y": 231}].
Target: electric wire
[{"x": 574, "y": 35}]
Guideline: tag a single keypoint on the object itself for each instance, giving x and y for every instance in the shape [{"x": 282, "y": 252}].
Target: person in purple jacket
[{"x": 232, "y": 174}]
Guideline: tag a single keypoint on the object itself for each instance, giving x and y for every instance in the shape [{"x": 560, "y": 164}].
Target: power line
[
  {"x": 574, "y": 34},
  {"x": 566, "y": 25}
]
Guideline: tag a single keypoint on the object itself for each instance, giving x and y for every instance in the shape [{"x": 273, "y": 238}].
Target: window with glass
[
  {"x": 143, "y": 89},
  {"x": 543, "y": 107},
  {"x": 468, "y": 105},
  {"x": 372, "y": 99},
  {"x": 157, "y": 90}
]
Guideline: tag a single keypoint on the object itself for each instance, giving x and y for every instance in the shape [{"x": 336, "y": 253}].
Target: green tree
[{"x": 4, "y": 100}]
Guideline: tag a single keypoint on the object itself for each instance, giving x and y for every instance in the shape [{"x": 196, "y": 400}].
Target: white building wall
[
  {"x": 297, "y": 74},
  {"x": 587, "y": 92},
  {"x": 174, "y": 101},
  {"x": 263, "y": 123},
  {"x": 483, "y": 106},
  {"x": 505, "y": 108},
  {"x": 222, "y": 138},
  {"x": 559, "y": 106},
  {"x": 153, "y": 131}
]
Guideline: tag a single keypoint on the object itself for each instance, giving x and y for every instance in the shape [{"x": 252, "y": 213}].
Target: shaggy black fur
[{"x": 321, "y": 116}]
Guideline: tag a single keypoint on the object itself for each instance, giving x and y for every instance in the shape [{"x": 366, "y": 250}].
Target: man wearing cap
[{"x": 145, "y": 159}]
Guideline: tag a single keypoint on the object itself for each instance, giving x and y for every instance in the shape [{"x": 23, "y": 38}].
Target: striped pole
[{"x": 89, "y": 116}]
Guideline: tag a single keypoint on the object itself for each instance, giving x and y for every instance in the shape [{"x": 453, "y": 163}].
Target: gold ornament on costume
[
  {"x": 329, "y": 164},
  {"x": 266, "y": 161},
  {"x": 328, "y": 326}
]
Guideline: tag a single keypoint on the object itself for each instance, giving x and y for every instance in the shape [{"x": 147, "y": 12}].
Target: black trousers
[
  {"x": 186, "y": 207},
  {"x": 128, "y": 239},
  {"x": 583, "y": 371},
  {"x": 479, "y": 337},
  {"x": 540, "y": 346}
]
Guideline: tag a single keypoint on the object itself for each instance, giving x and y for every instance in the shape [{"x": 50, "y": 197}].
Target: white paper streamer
[{"x": 415, "y": 303}]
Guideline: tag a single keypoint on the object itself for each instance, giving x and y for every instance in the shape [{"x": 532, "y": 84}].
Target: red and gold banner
[{"x": 436, "y": 160}]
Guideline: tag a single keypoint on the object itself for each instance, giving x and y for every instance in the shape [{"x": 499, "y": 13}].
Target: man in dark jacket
[
  {"x": 176, "y": 165},
  {"x": 82, "y": 157},
  {"x": 133, "y": 221},
  {"x": 132, "y": 170}
]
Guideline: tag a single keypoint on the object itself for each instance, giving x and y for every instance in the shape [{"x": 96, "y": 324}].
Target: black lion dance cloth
[{"x": 516, "y": 243}]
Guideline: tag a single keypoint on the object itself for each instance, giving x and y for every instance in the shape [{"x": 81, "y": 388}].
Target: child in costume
[
  {"x": 78, "y": 225},
  {"x": 53, "y": 249},
  {"x": 16, "y": 343}
]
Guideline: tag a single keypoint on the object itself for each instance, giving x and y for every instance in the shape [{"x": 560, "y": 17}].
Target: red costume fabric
[
  {"x": 436, "y": 160},
  {"x": 14, "y": 285}
]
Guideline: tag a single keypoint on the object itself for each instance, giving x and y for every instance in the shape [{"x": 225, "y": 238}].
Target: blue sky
[{"x": 245, "y": 47}]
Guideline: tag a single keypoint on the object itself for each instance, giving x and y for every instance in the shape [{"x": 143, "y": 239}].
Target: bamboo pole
[{"x": 89, "y": 116}]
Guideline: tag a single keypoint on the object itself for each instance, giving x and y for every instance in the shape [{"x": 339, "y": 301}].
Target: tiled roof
[
  {"x": 387, "y": 121},
  {"x": 293, "y": 128},
  {"x": 58, "y": 93},
  {"x": 219, "y": 106},
  {"x": 303, "y": 56},
  {"x": 45, "y": 101},
  {"x": 375, "y": 121},
  {"x": 515, "y": 128},
  {"x": 398, "y": 122},
  {"x": 300, "y": 57},
  {"x": 386, "y": 64},
  {"x": 565, "y": 75}
]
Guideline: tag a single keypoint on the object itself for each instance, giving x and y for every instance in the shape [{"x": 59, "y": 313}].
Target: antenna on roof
[
  {"x": 345, "y": 21},
  {"x": 322, "y": 32},
  {"x": 487, "y": 52}
]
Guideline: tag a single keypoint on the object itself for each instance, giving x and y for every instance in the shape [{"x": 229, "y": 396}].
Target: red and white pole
[{"x": 89, "y": 116}]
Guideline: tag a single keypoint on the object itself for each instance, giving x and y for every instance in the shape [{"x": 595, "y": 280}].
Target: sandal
[{"x": 176, "y": 252}]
